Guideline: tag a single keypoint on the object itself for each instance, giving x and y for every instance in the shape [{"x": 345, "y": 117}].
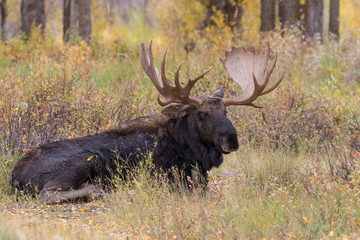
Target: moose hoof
[
  {"x": 46, "y": 197},
  {"x": 94, "y": 192}
]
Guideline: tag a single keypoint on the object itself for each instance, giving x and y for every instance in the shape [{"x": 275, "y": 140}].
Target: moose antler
[
  {"x": 243, "y": 64},
  {"x": 172, "y": 94}
]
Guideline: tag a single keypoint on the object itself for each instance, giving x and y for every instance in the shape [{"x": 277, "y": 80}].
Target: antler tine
[
  {"x": 148, "y": 65},
  {"x": 171, "y": 94},
  {"x": 176, "y": 77},
  {"x": 242, "y": 64},
  {"x": 248, "y": 101},
  {"x": 257, "y": 87},
  {"x": 161, "y": 103},
  {"x": 163, "y": 75},
  {"x": 267, "y": 76},
  {"x": 275, "y": 85},
  {"x": 192, "y": 82}
]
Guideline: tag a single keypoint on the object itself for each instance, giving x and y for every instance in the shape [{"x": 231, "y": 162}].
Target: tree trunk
[
  {"x": 110, "y": 5},
  {"x": 267, "y": 15},
  {"x": 77, "y": 19},
  {"x": 66, "y": 19},
  {"x": 314, "y": 17},
  {"x": 231, "y": 9},
  {"x": 334, "y": 18},
  {"x": 233, "y": 12},
  {"x": 84, "y": 20},
  {"x": 3, "y": 15},
  {"x": 289, "y": 13},
  {"x": 32, "y": 14}
]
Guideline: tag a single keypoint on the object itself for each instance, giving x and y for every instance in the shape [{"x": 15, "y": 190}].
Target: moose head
[{"x": 247, "y": 68}]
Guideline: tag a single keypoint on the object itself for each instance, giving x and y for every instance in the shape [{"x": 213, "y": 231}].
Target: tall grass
[{"x": 257, "y": 193}]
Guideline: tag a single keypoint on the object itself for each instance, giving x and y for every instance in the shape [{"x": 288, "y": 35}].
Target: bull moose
[{"x": 193, "y": 132}]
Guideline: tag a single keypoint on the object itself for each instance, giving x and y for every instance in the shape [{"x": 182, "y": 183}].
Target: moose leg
[
  {"x": 53, "y": 194},
  {"x": 199, "y": 177}
]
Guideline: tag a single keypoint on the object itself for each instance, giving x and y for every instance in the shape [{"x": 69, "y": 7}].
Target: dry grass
[{"x": 256, "y": 194}]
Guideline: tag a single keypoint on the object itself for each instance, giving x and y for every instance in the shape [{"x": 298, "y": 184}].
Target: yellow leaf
[
  {"x": 7, "y": 161},
  {"x": 31, "y": 214},
  {"x": 305, "y": 219},
  {"x": 82, "y": 209},
  {"x": 89, "y": 158},
  {"x": 291, "y": 235},
  {"x": 23, "y": 139}
]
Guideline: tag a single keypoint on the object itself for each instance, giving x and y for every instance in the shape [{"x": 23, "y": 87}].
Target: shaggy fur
[{"x": 181, "y": 136}]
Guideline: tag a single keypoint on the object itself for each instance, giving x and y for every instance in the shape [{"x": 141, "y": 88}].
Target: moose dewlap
[{"x": 191, "y": 132}]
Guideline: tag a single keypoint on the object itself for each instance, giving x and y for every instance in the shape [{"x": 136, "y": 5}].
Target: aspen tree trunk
[
  {"x": 267, "y": 15},
  {"x": 84, "y": 19},
  {"x": 314, "y": 17},
  {"x": 334, "y": 18},
  {"x": 66, "y": 19},
  {"x": 3, "y": 16},
  {"x": 77, "y": 19},
  {"x": 231, "y": 9},
  {"x": 32, "y": 14},
  {"x": 289, "y": 13}
]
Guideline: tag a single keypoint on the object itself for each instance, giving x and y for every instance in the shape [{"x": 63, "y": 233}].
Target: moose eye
[{"x": 201, "y": 116}]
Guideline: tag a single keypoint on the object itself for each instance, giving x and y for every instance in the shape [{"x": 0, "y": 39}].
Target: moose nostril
[
  {"x": 230, "y": 143},
  {"x": 233, "y": 142}
]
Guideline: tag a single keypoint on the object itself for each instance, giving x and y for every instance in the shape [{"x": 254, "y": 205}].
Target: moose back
[{"x": 190, "y": 132}]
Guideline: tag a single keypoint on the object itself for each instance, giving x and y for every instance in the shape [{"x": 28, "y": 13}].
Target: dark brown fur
[{"x": 182, "y": 136}]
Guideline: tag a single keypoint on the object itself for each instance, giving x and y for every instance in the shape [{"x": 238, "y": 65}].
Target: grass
[
  {"x": 296, "y": 174},
  {"x": 256, "y": 194}
]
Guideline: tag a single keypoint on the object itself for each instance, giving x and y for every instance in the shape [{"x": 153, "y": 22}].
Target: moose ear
[
  {"x": 176, "y": 110},
  {"x": 219, "y": 93}
]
